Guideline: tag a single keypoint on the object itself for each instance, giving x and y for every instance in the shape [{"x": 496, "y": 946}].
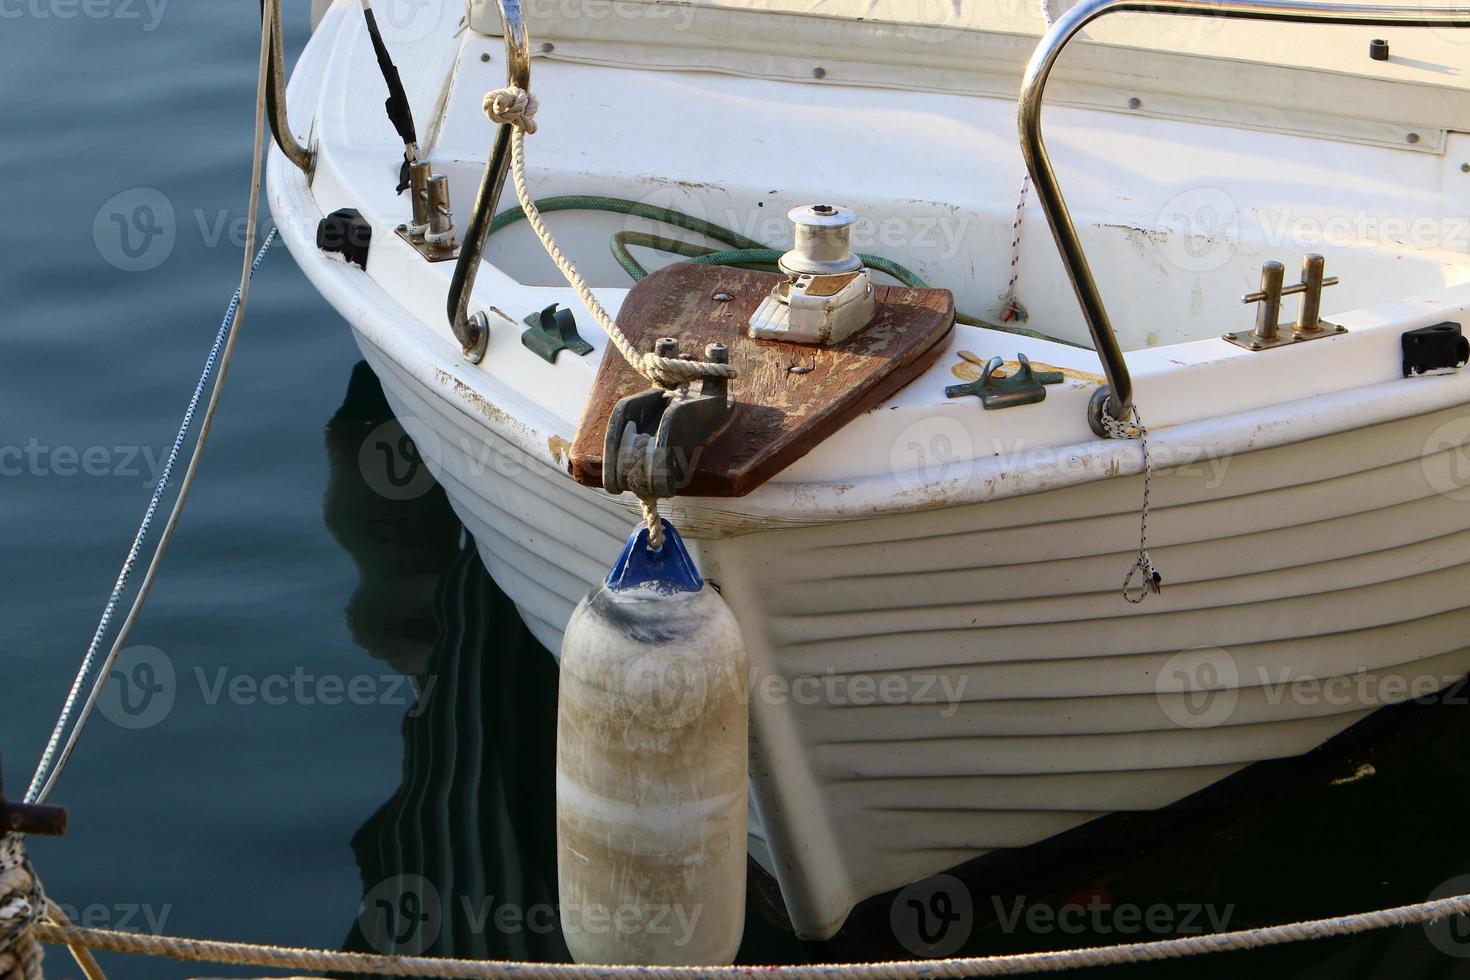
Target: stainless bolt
[
  {"x": 1412, "y": 137},
  {"x": 1135, "y": 102},
  {"x": 547, "y": 47},
  {"x": 819, "y": 73},
  {"x": 485, "y": 56}
]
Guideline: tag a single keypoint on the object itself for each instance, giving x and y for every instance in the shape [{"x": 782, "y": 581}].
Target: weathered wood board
[{"x": 790, "y": 396}]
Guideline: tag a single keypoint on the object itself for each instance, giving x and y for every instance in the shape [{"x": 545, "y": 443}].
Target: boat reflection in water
[{"x": 460, "y": 861}]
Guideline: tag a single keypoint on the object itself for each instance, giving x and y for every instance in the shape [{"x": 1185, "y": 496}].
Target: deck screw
[
  {"x": 1465, "y": 168},
  {"x": 819, "y": 73},
  {"x": 1135, "y": 102},
  {"x": 723, "y": 297},
  {"x": 1230, "y": 336},
  {"x": 485, "y": 56},
  {"x": 1412, "y": 137},
  {"x": 547, "y": 47}
]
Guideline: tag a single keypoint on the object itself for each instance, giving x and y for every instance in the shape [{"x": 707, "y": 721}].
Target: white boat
[{"x": 943, "y": 662}]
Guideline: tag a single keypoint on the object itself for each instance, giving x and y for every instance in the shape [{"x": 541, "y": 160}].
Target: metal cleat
[
  {"x": 654, "y": 438},
  {"x": 1309, "y": 325},
  {"x": 1025, "y": 387}
]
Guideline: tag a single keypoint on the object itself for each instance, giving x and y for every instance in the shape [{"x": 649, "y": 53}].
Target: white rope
[
  {"x": 51, "y": 764},
  {"x": 1152, "y": 581},
  {"x": 280, "y": 957},
  {"x": 1009, "y": 308},
  {"x": 22, "y": 902},
  {"x": 516, "y": 107}
]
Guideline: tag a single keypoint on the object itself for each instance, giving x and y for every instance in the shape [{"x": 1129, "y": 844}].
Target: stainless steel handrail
[
  {"x": 275, "y": 95},
  {"x": 1117, "y": 398},
  {"x": 473, "y": 332}
]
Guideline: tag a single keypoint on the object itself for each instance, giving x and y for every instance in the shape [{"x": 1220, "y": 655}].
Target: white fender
[{"x": 652, "y": 767}]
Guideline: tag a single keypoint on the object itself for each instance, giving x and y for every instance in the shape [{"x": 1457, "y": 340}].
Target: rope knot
[{"x": 513, "y": 106}]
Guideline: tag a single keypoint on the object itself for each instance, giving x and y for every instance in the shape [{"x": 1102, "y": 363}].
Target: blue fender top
[{"x": 669, "y": 569}]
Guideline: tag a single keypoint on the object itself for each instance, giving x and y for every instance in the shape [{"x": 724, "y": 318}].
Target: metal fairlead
[
  {"x": 654, "y": 438},
  {"x": 1025, "y": 387},
  {"x": 552, "y": 331}
]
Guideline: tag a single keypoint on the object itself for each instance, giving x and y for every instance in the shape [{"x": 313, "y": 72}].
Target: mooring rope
[
  {"x": 51, "y": 763},
  {"x": 514, "y": 106},
  {"x": 291, "y": 958}
]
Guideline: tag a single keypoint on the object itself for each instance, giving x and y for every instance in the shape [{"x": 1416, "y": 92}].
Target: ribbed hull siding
[{"x": 1024, "y": 695}]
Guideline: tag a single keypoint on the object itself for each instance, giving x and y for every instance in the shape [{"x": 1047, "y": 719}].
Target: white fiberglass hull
[{"x": 942, "y": 663}]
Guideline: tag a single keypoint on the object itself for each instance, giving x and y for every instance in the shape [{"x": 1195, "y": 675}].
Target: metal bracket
[
  {"x": 996, "y": 391},
  {"x": 275, "y": 94},
  {"x": 431, "y": 229},
  {"x": 654, "y": 438},
  {"x": 1269, "y": 331},
  {"x": 472, "y": 330},
  {"x": 552, "y": 331}
]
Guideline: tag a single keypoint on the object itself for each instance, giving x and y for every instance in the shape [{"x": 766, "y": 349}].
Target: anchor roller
[{"x": 651, "y": 766}]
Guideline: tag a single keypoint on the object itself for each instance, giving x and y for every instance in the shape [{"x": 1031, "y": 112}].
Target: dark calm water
[{"x": 295, "y": 768}]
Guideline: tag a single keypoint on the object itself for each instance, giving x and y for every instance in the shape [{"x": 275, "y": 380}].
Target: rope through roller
[{"x": 515, "y": 107}]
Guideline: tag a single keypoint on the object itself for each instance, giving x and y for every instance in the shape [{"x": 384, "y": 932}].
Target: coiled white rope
[
  {"x": 289, "y": 958},
  {"x": 51, "y": 764}
]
